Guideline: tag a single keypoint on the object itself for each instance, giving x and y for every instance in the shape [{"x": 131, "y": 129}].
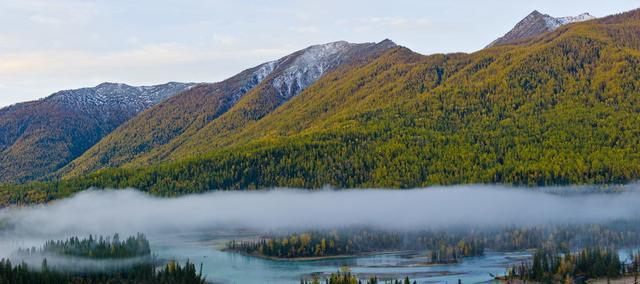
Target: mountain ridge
[
  {"x": 279, "y": 81},
  {"x": 535, "y": 24},
  {"x": 409, "y": 120},
  {"x": 38, "y": 137}
]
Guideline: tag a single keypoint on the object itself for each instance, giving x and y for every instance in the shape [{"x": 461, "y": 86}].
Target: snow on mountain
[
  {"x": 537, "y": 23},
  {"x": 580, "y": 18},
  {"x": 261, "y": 72},
  {"x": 117, "y": 95},
  {"x": 39, "y": 137},
  {"x": 293, "y": 73},
  {"x": 308, "y": 66},
  {"x": 303, "y": 68}
]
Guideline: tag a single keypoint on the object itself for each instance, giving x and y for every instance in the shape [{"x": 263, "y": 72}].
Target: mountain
[
  {"x": 192, "y": 119},
  {"x": 39, "y": 137},
  {"x": 558, "y": 108},
  {"x": 535, "y": 24}
]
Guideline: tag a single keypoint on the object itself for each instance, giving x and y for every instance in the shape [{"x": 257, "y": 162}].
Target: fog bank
[
  {"x": 79, "y": 264},
  {"x": 129, "y": 211}
]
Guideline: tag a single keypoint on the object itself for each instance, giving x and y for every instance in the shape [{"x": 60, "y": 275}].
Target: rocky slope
[
  {"x": 535, "y": 24},
  {"x": 39, "y": 137}
]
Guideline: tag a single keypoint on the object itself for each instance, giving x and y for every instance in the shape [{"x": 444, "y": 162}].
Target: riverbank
[
  {"x": 336, "y": 257},
  {"x": 316, "y": 258}
]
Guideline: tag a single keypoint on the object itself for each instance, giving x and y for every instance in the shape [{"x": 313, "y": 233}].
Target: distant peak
[
  {"x": 110, "y": 85},
  {"x": 387, "y": 42},
  {"x": 535, "y": 13},
  {"x": 537, "y": 23},
  {"x": 585, "y": 16},
  {"x": 575, "y": 19},
  {"x": 333, "y": 43}
]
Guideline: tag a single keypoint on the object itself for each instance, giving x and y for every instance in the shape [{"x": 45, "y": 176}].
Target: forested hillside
[
  {"x": 39, "y": 137},
  {"x": 192, "y": 115},
  {"x": 560, "y": 108},
  {"x": 160, "y": 124}
]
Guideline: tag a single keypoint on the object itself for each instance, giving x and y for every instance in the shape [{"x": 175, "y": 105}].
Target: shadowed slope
[
  {"x": 39, "y": 137},
  {"x": 160, "y": 124}
]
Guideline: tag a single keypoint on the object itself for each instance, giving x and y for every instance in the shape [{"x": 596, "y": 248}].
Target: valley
[
  {"x": 341, "y": 162},
  {"x": 352, "y": 231}
]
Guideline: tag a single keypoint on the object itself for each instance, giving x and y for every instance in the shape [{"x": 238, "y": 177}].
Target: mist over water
[
  {"x": 79, "y": 264},
  {"x": 130, "y": 211},
  {"x": 104, "y": 212}
]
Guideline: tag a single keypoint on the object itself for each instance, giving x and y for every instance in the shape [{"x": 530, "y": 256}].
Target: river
[
  {"x": 228, "y": 267},
  {"x": 181, "y": 228}
]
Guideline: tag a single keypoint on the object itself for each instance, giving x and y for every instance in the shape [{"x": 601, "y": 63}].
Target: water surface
[{"x": 228, "y": 267}]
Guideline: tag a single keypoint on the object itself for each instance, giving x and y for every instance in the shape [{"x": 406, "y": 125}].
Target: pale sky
[{"x": 51, "y": 45}]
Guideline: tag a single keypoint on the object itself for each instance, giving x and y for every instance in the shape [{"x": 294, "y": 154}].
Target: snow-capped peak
[
  {"x": 118, "y": 95},
  {"x": 291, "y": 74},
  {"x": 575, "y": 19},
  {"x": 554, "y": 23},
  {"x": 305, "y": 67},
  {"x": 537, "y": 23}
]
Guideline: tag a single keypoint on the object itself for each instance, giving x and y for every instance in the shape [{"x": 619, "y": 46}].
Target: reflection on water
[{"x": 229, "y": 267}]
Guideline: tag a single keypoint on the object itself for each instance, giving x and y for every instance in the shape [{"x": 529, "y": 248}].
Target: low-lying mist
[
  {"x": 80, "y": 264},
  {"x": 104, "y": 212},
  {"x": 130, "y": 211}
]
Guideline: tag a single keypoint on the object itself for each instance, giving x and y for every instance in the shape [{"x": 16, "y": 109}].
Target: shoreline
[
  {"x": 315, "y": 258},
  {"x": 331, "y": 257}
]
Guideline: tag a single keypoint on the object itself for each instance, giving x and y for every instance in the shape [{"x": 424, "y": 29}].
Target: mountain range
[
  {"x": 538, "y": 107},
  {"x": 191, "y": 118},
  {"x": 39, "y": 137}
]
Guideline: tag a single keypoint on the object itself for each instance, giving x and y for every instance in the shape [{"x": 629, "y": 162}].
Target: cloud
[
  {"x": 45, "y": 20},
  {"x": 42, "y": 62},
  {"x": 399, "y": 22},
  {"x": 64, "y": 12},
  {"x": 45, "y": 62},
  {"x": 304, "y": 29},
  {"x": 394, "y": 23},
  {"x": 8, "y": 41},
  {"x": 225, "y": 39}
]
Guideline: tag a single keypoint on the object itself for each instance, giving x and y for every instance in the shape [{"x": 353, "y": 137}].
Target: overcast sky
[{"x": 47, "y": 45}]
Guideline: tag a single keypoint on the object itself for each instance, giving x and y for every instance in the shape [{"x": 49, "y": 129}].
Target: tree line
[
  {"x": 346, "y": 277},
  {"x": 99, "y": 248},
  {"x": 442, "y": 245},
  {"x": 548, "y": 266},
  {"x": 170, "y": 273}
]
